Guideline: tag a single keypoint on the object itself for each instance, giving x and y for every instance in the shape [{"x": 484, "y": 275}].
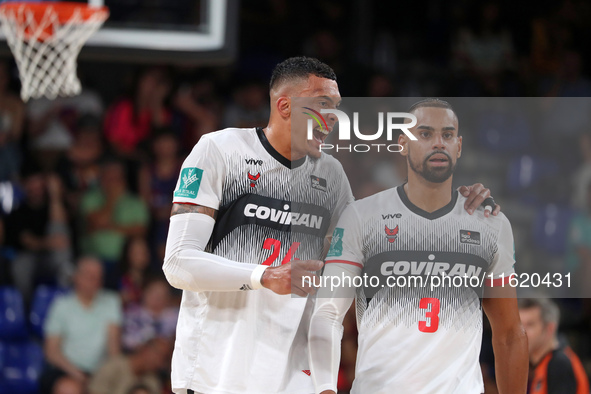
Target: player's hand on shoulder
[
  {"x": 295, "y": 277},
  {"x": 476, "y": 194}
]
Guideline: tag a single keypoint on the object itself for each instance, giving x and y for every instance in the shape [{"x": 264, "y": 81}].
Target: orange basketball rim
[{"x": 45, "y": 39}]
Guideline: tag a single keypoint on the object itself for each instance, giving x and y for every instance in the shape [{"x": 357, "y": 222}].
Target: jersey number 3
[
  {"x": 275, "y": 246},
  {"x": 432, "y": 314}
]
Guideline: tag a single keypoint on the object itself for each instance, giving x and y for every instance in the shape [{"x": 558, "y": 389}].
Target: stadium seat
[
  {"x": 44, "y": 296},
  {"x": 504, "y": 132},
  {"x": 527, "y": 174},
  {"x": 13, "y": 324},
  {"x": 21, "y": 365},
  {"x": 551, "y": 228}
]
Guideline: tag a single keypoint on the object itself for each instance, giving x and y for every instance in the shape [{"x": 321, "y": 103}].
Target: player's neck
[
  {"x": 426, "y": 195},
  {"x": 278, "y": 140}
]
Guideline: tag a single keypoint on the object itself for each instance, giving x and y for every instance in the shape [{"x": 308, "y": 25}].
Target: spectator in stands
[
  {"x": 555, "y": 368},
  {"x": 550, "y": 37},
  {"x": 129, "y": 121},
  {"x": 111, "y": 214},
  {"x": 67, "y": 385},
  {"x": 52, "y": 123},
  {"x": 201, "y": 107},
  {"x": 79, "y": 168},
  {"x": 578, "y": 257},
  {"x": 582, "y": 177},
  {"x": 5, "y": 275},
  {"x": 154, "y": 317},
  {"x": 249, "y": 106},
  {"x": 140, "y": 389},
  {"x": 158, "y": 180},
  {"x": 134, "y": 266},
  {"x": 484, "y": 51},
  {"x": 326, "y": 45},
  {"x": 569, "y": 81},
  {"x": 121, "y": 374},
  {"x": 570, "y": 116},
  {"x": 12, "y": 116},
  {"x": 381, "y": 85},
  {"x": 82, "y": 328},
  {"x": 39, "y": 233}
]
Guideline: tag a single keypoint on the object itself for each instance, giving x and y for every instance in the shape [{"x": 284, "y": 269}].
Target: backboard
[{"x": 163, "y": 31}]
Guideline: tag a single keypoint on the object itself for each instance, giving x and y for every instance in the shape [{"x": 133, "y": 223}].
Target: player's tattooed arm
[{"x": 178, "y": 209}]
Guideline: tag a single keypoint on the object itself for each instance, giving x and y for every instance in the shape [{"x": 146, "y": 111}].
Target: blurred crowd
[{"x": 86, "y": 182}]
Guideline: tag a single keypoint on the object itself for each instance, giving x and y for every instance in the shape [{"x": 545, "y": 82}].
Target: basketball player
[
  {"x": 415, "y": 338},
  {"x": 246, "y": 219}
]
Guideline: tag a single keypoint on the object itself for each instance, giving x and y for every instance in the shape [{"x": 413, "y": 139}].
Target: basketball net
[{"x": 45, "y": 39}]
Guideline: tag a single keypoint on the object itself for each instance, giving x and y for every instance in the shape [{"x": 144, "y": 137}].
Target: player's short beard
[{"x": 434, "y": 175}]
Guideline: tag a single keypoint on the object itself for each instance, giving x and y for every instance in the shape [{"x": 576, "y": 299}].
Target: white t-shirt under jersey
[{"x": 270, "y": 210}]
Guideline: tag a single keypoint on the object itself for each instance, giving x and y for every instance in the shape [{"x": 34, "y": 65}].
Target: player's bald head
[{"x": 298, "y": 69}]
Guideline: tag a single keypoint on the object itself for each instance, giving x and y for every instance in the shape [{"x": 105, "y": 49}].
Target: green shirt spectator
[
  {"x": 128, "y": 211},
  {"x": 111, "y": 214}
]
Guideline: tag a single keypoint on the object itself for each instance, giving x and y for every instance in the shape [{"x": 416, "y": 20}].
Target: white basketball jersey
[
  {"x": 414, "y": 338},
  {"x": 270, "y": 211}
]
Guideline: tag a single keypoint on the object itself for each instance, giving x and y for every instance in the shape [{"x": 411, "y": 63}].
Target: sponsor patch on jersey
[
  {"x": 318, "y": 183},
  {"x": 336, "y": 245},
  {"x": 190, "y": 181},
  {"x": 469, "y": 237}
]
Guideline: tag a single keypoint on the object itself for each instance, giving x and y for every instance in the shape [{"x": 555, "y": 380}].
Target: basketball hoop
[{"x": 45, "y": 39}]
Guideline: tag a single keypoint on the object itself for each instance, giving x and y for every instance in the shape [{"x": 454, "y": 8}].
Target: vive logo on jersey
[
  {"x": 469, "y": 237},
  {"x": 254, "y": 161},
  {"x": 253, "y": 178},
  {"x": 336, "y": 245},
  {"x": 391, "y": 234},
  {"x": 190, "y": 182},
  {"x": 318, "y": 183}
]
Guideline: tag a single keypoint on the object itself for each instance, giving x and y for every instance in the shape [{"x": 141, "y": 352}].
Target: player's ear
[
  {"x": 403, "y": 142},
  {"x": 284, "y": 106},
  {"x": 459, "y": 147}
]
